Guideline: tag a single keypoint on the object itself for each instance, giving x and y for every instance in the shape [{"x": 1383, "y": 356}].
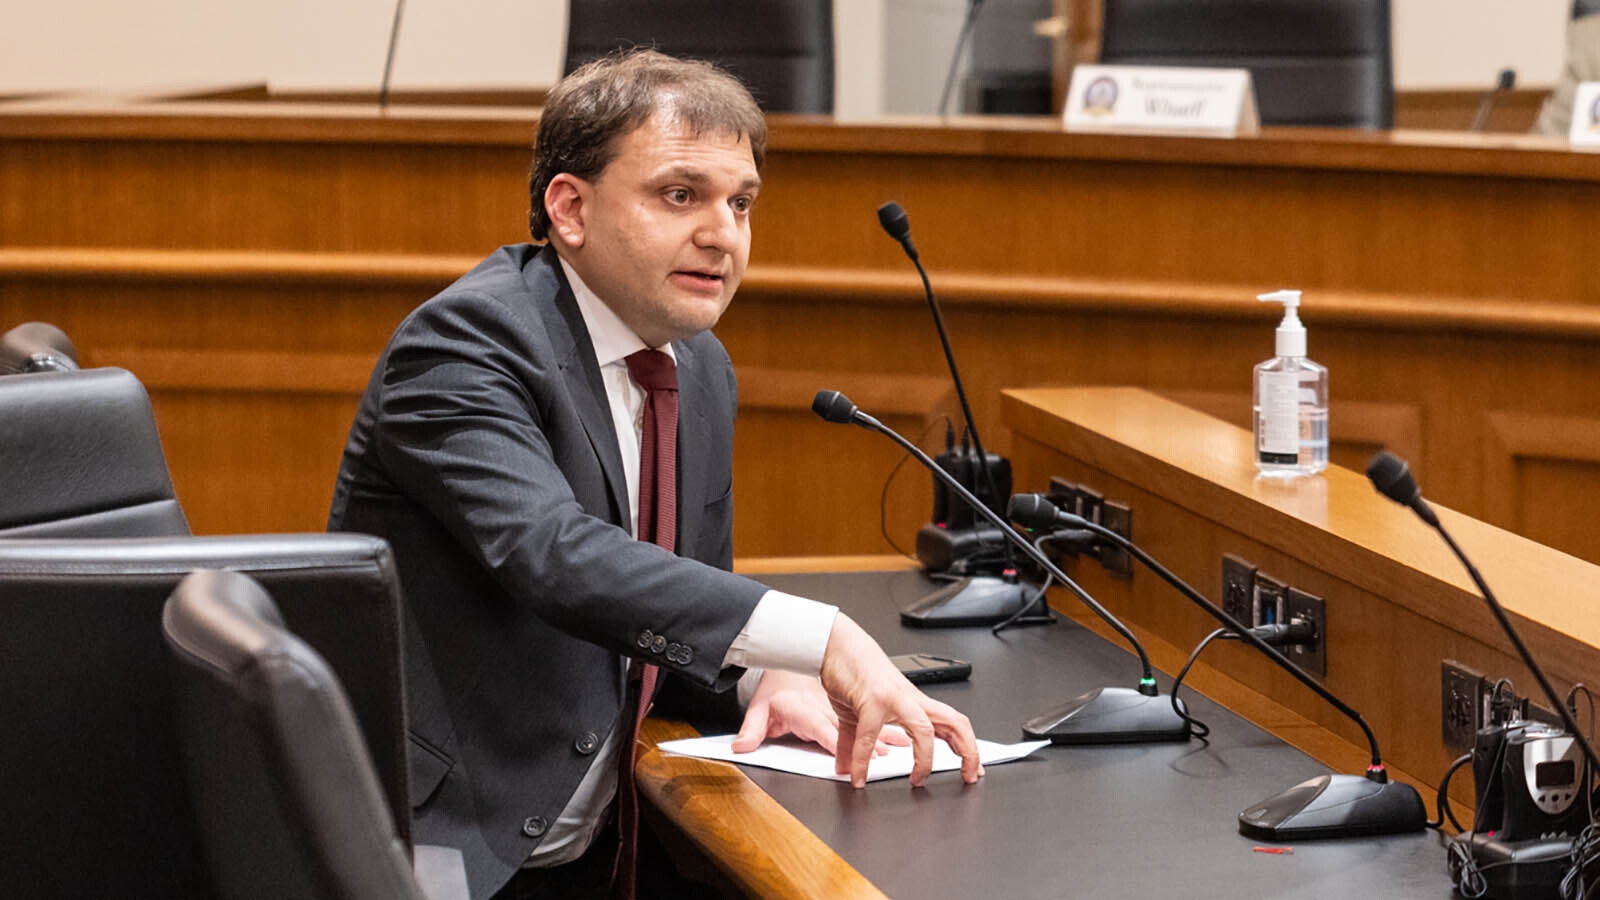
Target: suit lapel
[{"x": 575, "y": 357}]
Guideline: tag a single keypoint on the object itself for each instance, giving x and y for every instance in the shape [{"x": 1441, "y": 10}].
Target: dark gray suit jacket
[{"x": 484, "y": 451}]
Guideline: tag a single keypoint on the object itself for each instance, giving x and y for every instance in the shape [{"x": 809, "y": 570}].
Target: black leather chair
[
  {"x": 1313, "y": 62},
  {"x": 285, "y": 792},
  {"x": 781, "y": 49},
  {"x": 91, "y": 772},
  {"x": 80, "y": 457}
]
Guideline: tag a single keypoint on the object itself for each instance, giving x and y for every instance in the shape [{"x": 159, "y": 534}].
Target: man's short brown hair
[{"x": 589, "y": 110}]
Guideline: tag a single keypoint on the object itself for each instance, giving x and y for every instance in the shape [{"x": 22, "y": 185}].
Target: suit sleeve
[{"x": 475, "y": 423}]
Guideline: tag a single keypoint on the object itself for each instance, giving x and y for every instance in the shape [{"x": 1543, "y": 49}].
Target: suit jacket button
[
  {"x": 685, "y": 655},
  {"x": 658, "y": 644},
  {"x": 588, "y": 742},
  {"x": 535, "y": 826},
  {"x": 644, "y": 639}
]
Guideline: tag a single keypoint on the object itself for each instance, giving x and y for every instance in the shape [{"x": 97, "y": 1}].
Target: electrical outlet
[
  {"x": 1064, "y": 494},
  {"x": 1090, "y": 502},
  {"x": 1267, "y": 607},
  {"x": 1238, "y": 588},
  {"x": 1117, "y": 517},
  {"x": 1301, "y": 606},
  {"x": 1462, "y": 706}
]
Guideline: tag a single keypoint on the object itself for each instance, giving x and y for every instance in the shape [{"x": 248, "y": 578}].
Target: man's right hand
[{"x": 868, "y": 692}]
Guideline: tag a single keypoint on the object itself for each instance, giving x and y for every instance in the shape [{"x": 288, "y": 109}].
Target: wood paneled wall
[{"x": 248, "y": 261}]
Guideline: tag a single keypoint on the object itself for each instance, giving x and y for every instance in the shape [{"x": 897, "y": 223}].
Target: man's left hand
[{"x": 786, "y": 703}]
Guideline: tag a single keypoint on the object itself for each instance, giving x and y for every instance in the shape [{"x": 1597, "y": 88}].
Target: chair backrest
[
  {"x": 1313, "y": 62},
  {"x": 91, "y": 771},
  {"x": 80, "y": 457},
  {"x": 285, "y": 794},
  {"x": 781, "y": 49}
]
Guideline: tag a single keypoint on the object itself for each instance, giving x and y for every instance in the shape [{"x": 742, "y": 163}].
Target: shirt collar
[{"x": 613, "y": 340}]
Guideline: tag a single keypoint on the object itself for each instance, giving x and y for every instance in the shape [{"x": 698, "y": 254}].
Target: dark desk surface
[{"x": 1151, "y": 820}]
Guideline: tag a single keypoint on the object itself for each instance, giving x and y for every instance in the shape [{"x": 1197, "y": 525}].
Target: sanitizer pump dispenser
[{"x": 1290, "y": 399}]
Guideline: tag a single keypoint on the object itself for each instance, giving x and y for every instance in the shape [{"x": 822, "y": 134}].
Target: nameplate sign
[
  {"x": 1161, "y": 99},
  {"x": 1585, "y": 131}
]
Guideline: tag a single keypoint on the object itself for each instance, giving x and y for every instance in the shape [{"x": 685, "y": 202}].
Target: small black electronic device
[
  {"x": 925, "y": 668},
  {"x": 1532, "y": 786},
  {"x": 1537, "y": 780}
]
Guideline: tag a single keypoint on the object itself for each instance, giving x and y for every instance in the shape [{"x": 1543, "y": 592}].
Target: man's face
[{"x": 663, "y": 234}]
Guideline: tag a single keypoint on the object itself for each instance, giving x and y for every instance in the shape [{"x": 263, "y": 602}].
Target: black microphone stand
[
  {"x": 1392, "y": 478},
  {"x": 1328, "y": 806},
  {"x": 979, "y": 598},
  {"x": 1102, "y": 716},
  {"x": 388, "y": 58}
]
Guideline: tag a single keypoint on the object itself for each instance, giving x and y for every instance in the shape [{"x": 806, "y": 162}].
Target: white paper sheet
[{"x": 808, "y": 759}]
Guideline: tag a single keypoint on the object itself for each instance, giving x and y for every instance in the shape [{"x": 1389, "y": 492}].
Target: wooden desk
[
  {"x": 1146, "y": 820},
  {"x": 248, "y": 260},
  {"x": 1398, "y": 602}
]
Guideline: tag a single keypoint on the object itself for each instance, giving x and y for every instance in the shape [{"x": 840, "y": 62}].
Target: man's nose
[{"x": 718, "y": 228}]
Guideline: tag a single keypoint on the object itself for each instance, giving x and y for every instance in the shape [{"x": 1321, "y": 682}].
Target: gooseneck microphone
[
  {"x": 955, "y": 57},
  {"x": 1505, "y": 81},
  {"x": 37, "y": 347},
  {"x": 1393, "y": 479},
  {"x": 388, "y": 58},
  {"x": 977, "y": 599},
  {"x": 1328, "y": 806},
  {"x": 1102, "y": 716}
]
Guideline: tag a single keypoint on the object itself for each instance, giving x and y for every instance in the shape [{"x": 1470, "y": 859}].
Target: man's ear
[{"x": 564, "y": 200}]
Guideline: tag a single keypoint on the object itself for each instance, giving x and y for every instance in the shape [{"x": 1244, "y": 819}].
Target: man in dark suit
[{"x": 497, "y": 449}]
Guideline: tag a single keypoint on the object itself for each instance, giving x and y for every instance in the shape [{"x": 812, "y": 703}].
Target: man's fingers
[
  {"x": 864, "y": 748},
  {"x": 753, "y": 730},
  {"x": 843, "y": 747},
  {"x": 955, "y": 729},
  {"x": 921, "y": 734}
]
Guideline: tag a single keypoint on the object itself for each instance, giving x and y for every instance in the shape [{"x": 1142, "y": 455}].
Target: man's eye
[
  {"x": 678, "y": 195},
  {"x": 742, "y": 204}
]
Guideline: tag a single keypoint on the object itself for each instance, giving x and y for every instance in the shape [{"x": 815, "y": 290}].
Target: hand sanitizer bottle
[{"x": 1290, "y": 398}]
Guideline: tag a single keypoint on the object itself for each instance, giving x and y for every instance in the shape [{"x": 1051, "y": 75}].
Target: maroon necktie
[{"x": 658, "y": 523}]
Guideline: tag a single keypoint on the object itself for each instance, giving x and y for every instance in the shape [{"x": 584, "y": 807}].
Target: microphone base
[
  {"x": 1110, "y": 715},
  {"x": 1335, "y": 806},
  {"x": 975, "y": 600}
]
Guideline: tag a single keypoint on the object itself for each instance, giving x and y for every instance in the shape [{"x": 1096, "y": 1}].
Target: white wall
[{"x": 891, "y": 53}]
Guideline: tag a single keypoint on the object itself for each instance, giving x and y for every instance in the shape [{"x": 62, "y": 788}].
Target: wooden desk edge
[{"x": 756, "y": 843}]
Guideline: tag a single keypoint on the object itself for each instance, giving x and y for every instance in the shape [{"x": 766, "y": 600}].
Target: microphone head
[
  {"x": 1508, "y": 80},
  {"x": 833, "y": 406},
  {"x": 894, "y": 221},
  {"x": 1032, "y": 511},
  {"x": 1392, "y": 477}
]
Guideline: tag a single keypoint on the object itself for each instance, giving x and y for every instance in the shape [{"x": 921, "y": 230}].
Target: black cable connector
[{"x": 1295, "y": 632}]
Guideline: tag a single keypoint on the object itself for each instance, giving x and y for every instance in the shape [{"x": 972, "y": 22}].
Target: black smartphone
[{"x": 925, "y": 668}]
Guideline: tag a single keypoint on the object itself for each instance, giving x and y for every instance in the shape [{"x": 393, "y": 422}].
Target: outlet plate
[
  {"x": 1238, "y": 588},
  {"x": 1461, "y": 706},
  {"x": 1118, "y": 518},
  {"x": 1313, "y": 657}
]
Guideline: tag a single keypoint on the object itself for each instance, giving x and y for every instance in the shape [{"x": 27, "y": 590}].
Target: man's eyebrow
[{"x": 697, "y": 177}]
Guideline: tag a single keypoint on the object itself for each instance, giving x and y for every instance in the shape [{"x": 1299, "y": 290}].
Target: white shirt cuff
[{"x": 784, "y": 632}]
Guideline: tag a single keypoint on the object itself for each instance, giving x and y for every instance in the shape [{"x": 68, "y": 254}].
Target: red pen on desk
[{"x": 1280, "y": 851}]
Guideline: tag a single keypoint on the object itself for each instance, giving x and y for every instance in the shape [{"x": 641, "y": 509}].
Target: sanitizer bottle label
[{"x": 1280, "y": 418}]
